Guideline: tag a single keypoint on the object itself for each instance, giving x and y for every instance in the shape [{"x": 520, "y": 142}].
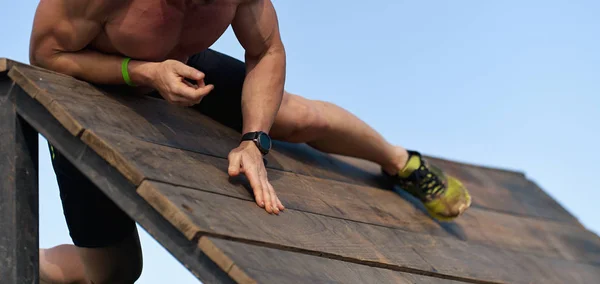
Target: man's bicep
[
  {"x": 255, "y": 25},
  {"x": 63, "y": 26}
]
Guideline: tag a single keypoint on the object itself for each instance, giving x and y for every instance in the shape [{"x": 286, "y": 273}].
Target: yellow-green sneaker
[{"x": 444, "y": 197}]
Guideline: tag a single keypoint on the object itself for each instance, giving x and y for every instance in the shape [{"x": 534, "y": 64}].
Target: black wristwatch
[{"x": 261, "y": 139}]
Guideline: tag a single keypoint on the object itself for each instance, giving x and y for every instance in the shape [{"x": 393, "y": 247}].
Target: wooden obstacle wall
[{"x": 166, "y": 166}]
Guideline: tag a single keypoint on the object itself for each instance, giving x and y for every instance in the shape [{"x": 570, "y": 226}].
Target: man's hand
[
  {"x": 169, "y": 79},
  {"x": 247, "y": 159}
]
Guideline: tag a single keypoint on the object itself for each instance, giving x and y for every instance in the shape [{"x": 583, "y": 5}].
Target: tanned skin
[{"x": 88, "y": 40}]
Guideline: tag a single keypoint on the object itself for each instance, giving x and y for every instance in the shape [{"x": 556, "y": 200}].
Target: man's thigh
[
  {"x": 106, "y": 237},
  {"x": 227, "y": 74}
]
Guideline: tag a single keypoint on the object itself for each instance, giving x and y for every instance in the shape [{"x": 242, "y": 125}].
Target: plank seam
[
  {"x": 198, "y": 235},
  {"x": 186, "y": 226},
  {"x": 351, "y": 260},
  {"x": 224, "y": 261},
  {"x": 347, "y": 182},
  {"x": 115, "y": 158}
]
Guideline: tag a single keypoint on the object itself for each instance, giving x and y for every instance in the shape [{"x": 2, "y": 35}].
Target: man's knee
[
  {"x": 120, "y": 263},
  {"x": 300, "y": 120}
]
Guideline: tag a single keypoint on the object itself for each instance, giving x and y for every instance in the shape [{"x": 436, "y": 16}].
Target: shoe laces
[{"x": 430, "y": 184}]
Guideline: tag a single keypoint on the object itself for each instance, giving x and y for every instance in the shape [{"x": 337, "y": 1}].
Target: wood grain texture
[
  {"x": 28, "y": 79},
  {"x": 256, "y": 264},
  {"x": 155, "y": 120},
  {"x": 193, "y": 154},
  {"x": 18, "y": 192},
  {"x": 198, "y": 213},
  {"x": 500, "y": 189},
  {"x": 120, "y": 190},
  {"x": 337, "y": 199},
  {"x": 80, "y": 105}
]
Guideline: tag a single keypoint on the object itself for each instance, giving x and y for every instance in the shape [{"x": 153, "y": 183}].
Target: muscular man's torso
[{"x": 155, "y": 30}]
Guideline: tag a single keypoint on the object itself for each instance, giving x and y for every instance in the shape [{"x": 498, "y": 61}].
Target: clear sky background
[{"x": 511, "y": 84}]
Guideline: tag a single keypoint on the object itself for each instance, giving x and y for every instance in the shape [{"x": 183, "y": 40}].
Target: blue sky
[{"x": 511, "y": 84}]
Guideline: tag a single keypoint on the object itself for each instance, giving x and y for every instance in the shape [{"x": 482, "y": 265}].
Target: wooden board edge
[
  {"x": 113, "y": 157},
  {"x": 168, "y": 210},
  {"x": 27, "y": 84},
  {"x": 516, "y": 172},
  {"x": 215, "y": 254},
  {"x": 239, "y": 276},
  {"x": 3, "y": 65},
  {"x": 59, "y": 112},
  {"x": 223, "y": 261},
  {"x": 17, "y": 75}
]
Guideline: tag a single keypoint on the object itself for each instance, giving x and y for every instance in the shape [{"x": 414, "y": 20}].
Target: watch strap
[{"x": 250, "y": 136}]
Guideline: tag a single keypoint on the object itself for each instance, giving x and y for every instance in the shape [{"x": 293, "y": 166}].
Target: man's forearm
[
  {"x": 95, "y": 67},
  {"x": 263, "y": 90}
]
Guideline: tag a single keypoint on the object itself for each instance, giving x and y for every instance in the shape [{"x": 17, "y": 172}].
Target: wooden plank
[
  {"x": 198, "y": 213},
  {"x": 256, "y": 264},
  {"x": 578, "y": 245},
  {"x": 496, "y": 189},
  {"x": 154, "y": 120},
  {"x": 18, "y": 192},
  {"x": 530, "y": 241},
  {"x": 326, "y": 197},
  {"x": 506, "y": 191},
  {"x": 119, "y": 190},
  {"x": 29, "y": 85},
  {"x": 70, "y": 89},
  {"x": 3, "y": 65}
]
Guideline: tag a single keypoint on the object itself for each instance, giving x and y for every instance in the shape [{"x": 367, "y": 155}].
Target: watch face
[{"x": 265, "y": 141}]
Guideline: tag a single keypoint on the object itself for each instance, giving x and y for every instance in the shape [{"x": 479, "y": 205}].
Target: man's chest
[{"x": 156, "y": 32}]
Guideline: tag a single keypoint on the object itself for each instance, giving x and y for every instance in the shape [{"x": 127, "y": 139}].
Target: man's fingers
[
  {"x": 192, "y": 93},
  {"x": 202, "y": 91},
  {"x": 190, "y": 84},
  {"x": 281, "y": 207},
  {"x": 256, "y": 185},
  {"x": 278, "y": 204},
  {"x": 234, "y": 164},
  {"x": 274, "y": 198},
  {"x": 267, "y": 195},
  {"x": 186, "y": 71}
]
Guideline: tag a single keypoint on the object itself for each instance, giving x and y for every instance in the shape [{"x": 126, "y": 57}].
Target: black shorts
[{"x": 92, "y": 218}]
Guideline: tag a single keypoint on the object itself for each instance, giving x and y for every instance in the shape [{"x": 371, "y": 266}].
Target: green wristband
[{"x": 125, "y": 72}]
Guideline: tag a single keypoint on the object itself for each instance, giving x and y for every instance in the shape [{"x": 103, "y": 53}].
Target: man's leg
[
  {"x": 119, "y": 263},
  {"x": 61, "y": 264},
  {"x": 107, "y": 247},
  {"x": 320, "y": 124},
  {"x": 332, "y": 129}
]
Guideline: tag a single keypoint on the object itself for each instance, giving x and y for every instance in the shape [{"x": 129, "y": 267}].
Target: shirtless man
[{"x": 163, "y": 46}]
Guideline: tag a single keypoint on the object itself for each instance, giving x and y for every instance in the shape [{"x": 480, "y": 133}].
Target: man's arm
[
  {"x": 62, "y": 31},
  {"x": 257, "y": 30},
  {"x": 255, "y": 26}
]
